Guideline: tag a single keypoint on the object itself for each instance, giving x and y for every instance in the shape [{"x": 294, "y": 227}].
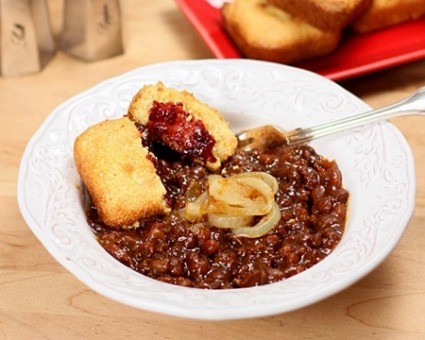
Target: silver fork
[{"x": 413, "y": 105}]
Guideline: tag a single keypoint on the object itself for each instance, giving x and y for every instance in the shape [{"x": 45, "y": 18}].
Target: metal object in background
[
  {"x": 26, "y": 39},
  {"x": 92, "y": 29}
]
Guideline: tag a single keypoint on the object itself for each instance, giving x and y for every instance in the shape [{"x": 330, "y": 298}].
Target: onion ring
[
  {"x": 227, "y": 221},
  {"x": 220, "y": 207},
  {"x": 233, "y": 202},
  {"x": 251, "y": 193},
  {"x": 197, "y": 208},
  {"x": 269, "y": 179},
  {"x": 266, "y": 224}
]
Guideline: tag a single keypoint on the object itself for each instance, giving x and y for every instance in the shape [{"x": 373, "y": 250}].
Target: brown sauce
[{"x": 170, "y": 249}]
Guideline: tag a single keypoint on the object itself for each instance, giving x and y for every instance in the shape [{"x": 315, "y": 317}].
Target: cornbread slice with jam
[{"x": 183, "y": 123}]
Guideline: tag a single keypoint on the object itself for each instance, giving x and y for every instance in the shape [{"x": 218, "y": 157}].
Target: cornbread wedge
[
  {"x": 384, "y": 13},
  {"x": 263, "y": 31},
  {"x": 201, "y": 123},
  {"x": 331, "y": 15},
  {"x": 118, "y": 173}
]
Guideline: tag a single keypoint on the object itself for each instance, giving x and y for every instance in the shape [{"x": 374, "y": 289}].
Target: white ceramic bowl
[{"x": 375, "y": 161}]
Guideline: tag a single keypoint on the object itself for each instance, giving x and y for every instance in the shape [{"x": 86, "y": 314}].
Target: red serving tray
[{"x": 357, "y": 54}]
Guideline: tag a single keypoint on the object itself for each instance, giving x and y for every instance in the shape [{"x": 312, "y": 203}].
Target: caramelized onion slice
[
  {"x": 227, "y": 221},
  {"x": 229, "y": 191},
  {"x": 263, "y": 226},
  {"x": 240, "y": 191},
  {"x": 251, "y": 209},
  {"x": 197, "y": 208},
  {"x": 240, "y": 195},
  {"x": 264, "y": 176}
]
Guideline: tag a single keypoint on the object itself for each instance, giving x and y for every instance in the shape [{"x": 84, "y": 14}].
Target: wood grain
[{"x": 40, "y": 300}]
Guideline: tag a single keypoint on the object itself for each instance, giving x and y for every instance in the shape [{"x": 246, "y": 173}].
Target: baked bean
[
  {"x": 197, "y": 264},
  {"x": 210, "y": 247},
  {"x": 324, "y": 205},
  {"x": 272, "y": 240},
  {"x": 333, "y": 176},
  {"x": 159, "y": 266},
  {"x": 217, "y": 278},
  {"x": 176, "y": 267},
  {"x": 228, "y": 259}
]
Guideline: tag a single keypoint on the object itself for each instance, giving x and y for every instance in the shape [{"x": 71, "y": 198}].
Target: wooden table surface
[{"x": 39, "y": 299}]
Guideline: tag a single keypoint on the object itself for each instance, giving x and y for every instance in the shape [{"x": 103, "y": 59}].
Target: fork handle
[{"x": 413, "y": 105}]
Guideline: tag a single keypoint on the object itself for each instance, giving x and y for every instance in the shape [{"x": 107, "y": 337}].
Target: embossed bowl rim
[{"x": 375, "y": 160}]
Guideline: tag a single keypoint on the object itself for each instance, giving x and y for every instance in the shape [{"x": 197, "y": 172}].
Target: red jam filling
[{"x": 170, "y": 124}]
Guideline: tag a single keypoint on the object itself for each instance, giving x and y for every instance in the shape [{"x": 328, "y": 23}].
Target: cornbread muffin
[
  {"x": 118, "y": 173},
  {"x": 384, "y": 13},
  {"x": 332, "y": 15},
  {"x": 263, "y": 31},
  {"x": 183, "y": 123}
]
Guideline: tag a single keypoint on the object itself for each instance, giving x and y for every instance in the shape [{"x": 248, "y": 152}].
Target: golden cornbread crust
[
  {"x": 218, "y": 128},
  {"x": 329, "y": 15},
  {"x": 119, "y": 176},
  {"x": 384, "y": 13},
  {"x": 263, "y": 31}
]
